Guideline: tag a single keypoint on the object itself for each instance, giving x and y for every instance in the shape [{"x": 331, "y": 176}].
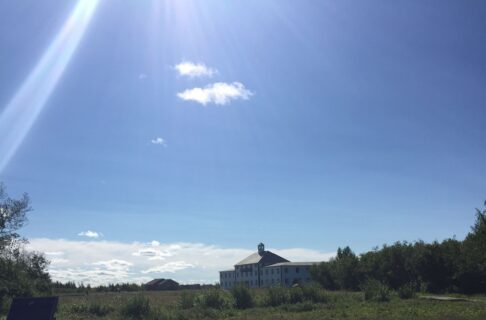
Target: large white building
[{"x": 264, "y": 269}]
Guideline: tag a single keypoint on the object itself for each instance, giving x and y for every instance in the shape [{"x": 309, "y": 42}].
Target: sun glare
[{"x": 27, "y": 103}]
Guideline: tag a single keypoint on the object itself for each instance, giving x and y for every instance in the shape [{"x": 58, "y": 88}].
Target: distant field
[{"x": 339, "y": 305}]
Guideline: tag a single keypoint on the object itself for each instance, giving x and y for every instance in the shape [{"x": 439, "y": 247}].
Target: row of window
[
  {"x": 268, "y": 282},
  {"x": 267, "y": 272}
]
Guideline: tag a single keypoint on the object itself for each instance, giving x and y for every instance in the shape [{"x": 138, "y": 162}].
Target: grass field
[{"x": 337, "y": 305}]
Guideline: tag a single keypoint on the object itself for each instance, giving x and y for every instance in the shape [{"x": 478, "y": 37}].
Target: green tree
[
  {"x": 472, "y": 273},
  {"x": 22, "y": 273}
]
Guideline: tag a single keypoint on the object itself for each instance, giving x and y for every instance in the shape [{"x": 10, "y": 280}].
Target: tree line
[{"x": 439, "y": 267}]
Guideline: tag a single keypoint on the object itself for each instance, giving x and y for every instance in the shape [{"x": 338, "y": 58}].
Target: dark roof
[
  {"x": 153, "y": 282},
  {"x": 266, "y": 258},
  {"x": 160, "y": 281},
  {"x": 293, "y": 264}
]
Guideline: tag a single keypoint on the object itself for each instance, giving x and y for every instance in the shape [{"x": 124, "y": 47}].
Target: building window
[
  {"x": 272, "y": 270},
  {"x": 266, "y": 271},
  {"x": 278, "y": 270},
  {"x": 296, "y": 269},
  {"x": 286, "y": 270},
  {"x": 286, "y": 281}
]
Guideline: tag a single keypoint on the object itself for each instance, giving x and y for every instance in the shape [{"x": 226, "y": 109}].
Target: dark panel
[{"x": 33, "y": 308}]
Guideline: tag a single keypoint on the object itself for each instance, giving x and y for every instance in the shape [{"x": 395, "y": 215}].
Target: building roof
[
  {"x": 265, "y": 257},
  {"x": 153, "y": 282},
  {"x": 160, "y": 282},
  {"x": 289, "y": 264}
]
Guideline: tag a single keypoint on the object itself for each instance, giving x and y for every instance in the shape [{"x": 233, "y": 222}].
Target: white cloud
[
  {"x": 218, "y": 93},
  {"x": 102, "y": 262},
  {"x": 159, "y": 141},
  {"x": 114, "y": 264},
  {"x": 54, "y": 253},
  {"x": 58, "y": 261},
  {"x": 89, "y": 234},
  {"x": 193, "y": 70},
  {"x": 171, "y": 267},
  {"x": 152, "y": 253}
]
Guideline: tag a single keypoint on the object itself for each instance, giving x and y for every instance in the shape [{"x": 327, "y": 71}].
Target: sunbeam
[{"x": 24, "y": 108}]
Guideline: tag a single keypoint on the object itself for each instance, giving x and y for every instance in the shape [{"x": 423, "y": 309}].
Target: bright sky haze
[{"x": 168, "y": 138}]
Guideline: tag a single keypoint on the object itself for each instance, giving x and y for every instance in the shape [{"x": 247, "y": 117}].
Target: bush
[
  {"x": 215, "y": 299},
  {"x": 315, "y": 293},
  {"x": 277, "y": 296},
  {"x": 187, "y": 300},
  {"x": 300, "y": 307},
  {"x": 136, "y": 308},
  {"x": 374, "y": 290},
  {"x": 95, "y": 309},
  {"x": 407, "y": 291},
  {"x": 296, "y": 295},
  {"x": 99, "y": 310},
  {"x": 243, "y": 297}
]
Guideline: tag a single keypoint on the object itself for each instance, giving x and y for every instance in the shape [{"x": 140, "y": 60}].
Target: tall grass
[{"x": 136, "y": 308}]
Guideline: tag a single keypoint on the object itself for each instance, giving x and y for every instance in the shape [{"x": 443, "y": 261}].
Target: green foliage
[
  {"x": 91, "y": 309},
  {"x": 407, "y": 291},
  {"x": 277, "y": 296},
  {"x": 341, "y": 272},
  {"x": 342, "y": 305},
  {"x": 187, "y": 300},
  {"x": 22, "y": 273},
  {"x": 313, "y": 292},
  {"x": 375, "y": 291},
  {"x": 296, "y": 295},
  {"x": 214, "y": 299},
  {"x": 439, "y": 267},
  {"x": 136, "y": 308},
  {"x": 472, "y": 275},
  {"x": 243, "y": 297},
  {"x": 305, "y": 306}
]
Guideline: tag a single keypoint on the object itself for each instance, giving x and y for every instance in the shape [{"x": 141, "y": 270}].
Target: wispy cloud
[
  {"x": 159, "y": 141},
  {"x": 193, "y": 70},
  {"x": 218, "y": 93},
  {"x": 89, "y": 234},
  {"x": 142, "y": 76},
  {"x": 102, "y": 262},
  {"x": 169, "y": 267},
  {"x": 114, "y": 264}
]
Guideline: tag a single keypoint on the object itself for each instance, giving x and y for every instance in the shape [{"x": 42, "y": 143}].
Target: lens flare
[{"x": 24, "y": 108}]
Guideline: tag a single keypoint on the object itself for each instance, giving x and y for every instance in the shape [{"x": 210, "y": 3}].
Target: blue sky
[{"x": 309, "y": 124}]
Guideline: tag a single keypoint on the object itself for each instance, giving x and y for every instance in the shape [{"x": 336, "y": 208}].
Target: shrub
[
  {"x": 299, "y": 307},
  {"x": 315, "y": 293},
  {"x": 375, "y": 291},
  {"x": 277, "y": 296},
  {"x": 95, "y": 309},
  {"x": 215, "y": 299},
  {"x": 243, "y": 297},
  {"x": 79, "y": 308},
  {"x": 99, "y": 309},
  {"x": 407, "y": 291},
  {"x": 187, "y": 300},
  {"x": 136, "y": 308},
  {"x": 296, "y": 295}
]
